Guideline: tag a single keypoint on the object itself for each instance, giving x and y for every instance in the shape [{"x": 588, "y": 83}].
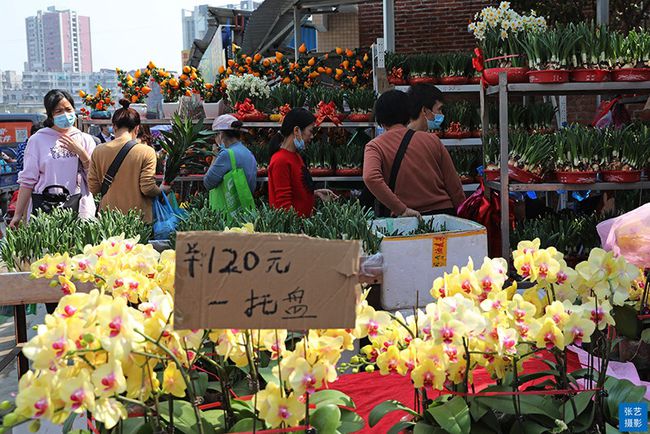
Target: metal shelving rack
[{"x": 503, "y": 91}]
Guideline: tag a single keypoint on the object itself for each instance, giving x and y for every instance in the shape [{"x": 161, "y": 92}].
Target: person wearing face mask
[
  {"x": 228, "y": 138},
  {"x": 425, "y": 107},
  {"x": 409, "y": 172},
  {"x": 290, "y": 184},
  {"x": 105, "y": 134},
  {"x": 124, "y": 169},
  {"x": 56, "y": 156}
]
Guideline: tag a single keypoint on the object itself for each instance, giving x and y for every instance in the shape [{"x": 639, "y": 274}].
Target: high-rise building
[
  {"x": 195, "y": 25},
  {"x": 58, "y": 41}
]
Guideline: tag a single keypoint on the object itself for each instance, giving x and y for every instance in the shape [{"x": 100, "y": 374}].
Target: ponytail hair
[
  {"x": 297, "y": 117},
  {"x": 125, "y": 116}
]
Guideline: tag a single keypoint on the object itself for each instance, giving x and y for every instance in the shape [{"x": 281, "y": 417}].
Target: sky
[{"x": 124, "y": 33}]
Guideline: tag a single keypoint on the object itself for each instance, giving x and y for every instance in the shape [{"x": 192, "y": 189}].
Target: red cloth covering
[{"x": 368, "y": 390}]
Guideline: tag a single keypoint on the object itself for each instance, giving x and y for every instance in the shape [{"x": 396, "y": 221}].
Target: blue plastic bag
[{"x": 164, "y": 218}]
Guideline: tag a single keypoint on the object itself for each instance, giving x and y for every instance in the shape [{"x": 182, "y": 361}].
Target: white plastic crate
[{"x": 412, "y": 263}]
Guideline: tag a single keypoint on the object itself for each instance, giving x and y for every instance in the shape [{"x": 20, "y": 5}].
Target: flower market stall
[{"x": 259, "y": 320}]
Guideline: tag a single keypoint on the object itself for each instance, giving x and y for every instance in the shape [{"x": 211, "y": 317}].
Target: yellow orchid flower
[
  {"x": 173, "y": 381},
  {"x": 109, "y": 411},
  {"x": 550, "y": 335},
  {"x": 391, "y": 362},
  {"x": 109, "y": 379},
  {"x": 428, "y": 374}
]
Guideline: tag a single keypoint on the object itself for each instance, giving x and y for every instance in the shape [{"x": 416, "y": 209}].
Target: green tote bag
[{"x": 233, "y": 193}]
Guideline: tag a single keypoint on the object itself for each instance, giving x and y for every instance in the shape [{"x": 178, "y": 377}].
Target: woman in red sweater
[{"x": 290, "y": 184}]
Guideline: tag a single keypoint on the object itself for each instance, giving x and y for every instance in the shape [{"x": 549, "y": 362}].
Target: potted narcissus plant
[
  {"x": 327, "y": 103},
  {"x": 529, "y": 156},
  {"x": 246, "y": 95},
  {"x": 455, "y": 68},
  {"x": 396, "y": 68},
  {"x": 460, "y": 119},
  {"x": 491, "y": 152},
  {"x": 498, "y": 32},
  {"x": 99, "y": 103},
  {"x": 349, "y": 157},
  {"x": 549, "y": 54},
  {"x": 361, "y": 102},
  {"x": 285, "y": 97},
  {"x": 624, "y": 155},
  {"x": 590, "y": 59},
  {"x": 318, "y": 157},
  {"x": 631, "y": 55},
  {"x": 466, "y": 162},
  {"x": 578, "y": 154},
  {"x": 423, "y": 68},
  {"x": 135, "y": 88}
]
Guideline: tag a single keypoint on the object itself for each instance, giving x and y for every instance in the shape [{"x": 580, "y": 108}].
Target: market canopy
[{"x": 274, "y": 20}]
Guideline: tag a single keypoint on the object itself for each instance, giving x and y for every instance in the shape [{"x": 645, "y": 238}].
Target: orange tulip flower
[
  {"x": 209, "y": 85},
  {"x": 194, "y": 76},
  {"x": 222, "y": 69},
  {"x": 354, "y": 80},
  {"x": 188, "y": 93},
  {"x": 321, "y": 69},
  {"x": 99, "y": 89}
]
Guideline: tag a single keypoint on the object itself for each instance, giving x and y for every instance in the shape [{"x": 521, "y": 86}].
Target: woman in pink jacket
[{"x": 58, "y": 155}]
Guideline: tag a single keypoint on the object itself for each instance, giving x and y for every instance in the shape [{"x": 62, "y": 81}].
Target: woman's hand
[
  {"x": 16, "y": 219},
  {"x": 72, "y": 145},
  {"x": 408, "y": 212},
  {"x": 165, "y": 188},
  {"x": 325, "y": 194}
]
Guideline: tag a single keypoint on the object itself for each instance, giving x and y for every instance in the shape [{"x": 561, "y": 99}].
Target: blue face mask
[
  {"x": 65, "y": 120},
  {"x": 110, "y": 130},
  {"x": 436, "y": 122},
  {"x": 300, "y": 144}
]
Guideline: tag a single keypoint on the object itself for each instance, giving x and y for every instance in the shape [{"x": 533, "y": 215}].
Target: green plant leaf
[
  {"x": 477, "y": 409},
  {"x": 200, "y": 380},
  {"x": 243, "y": 409},
  {"x": 399, "y": 426},
  {"x": 528, "y": 427},
  {"x": 326, "y": 418},
  {"x": 645, "y": 336},
  {"x": 184, "y": 417},
  {"x": 453, "y": 416},
  {"x": 350, "y": 422},
  {"x": 611, "y": 430},
  {"x": 581, "y": 401},
  {"x": 137, "y": 425},
  {"x": 621, "y": 391},
  {"x": 584, "y": 422},
  {"x": 529, "y": 404},
  {"x": 331, "y": 397},
  {"x": 246, "y": 425},
  {"x": 67, "y": 425},
  {"x": 267, "y": 374},
  {"x": 425, "y": 428},
  {"x": 626, "y": 322},
  {"x": 215, "y": 418},
  {"x": 386, "y": 407}
]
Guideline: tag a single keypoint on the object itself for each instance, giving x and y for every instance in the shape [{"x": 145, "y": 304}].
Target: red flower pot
[
  {"x": 622, "y": 176},
  {"x": 474, "y": 80},
  {"x": 359, "y": 117},
  {"x": 422, "y": 80},
  {"x": 357, "y": 171},
  {"x": 492, "y": 174},
  {"x": 440, "y": 134},
  {"x": 589, "y": 75},
  {"x": 477, "y": 134},
  {"x": 257, "y": 117},
  {"x": 318, "y": 171},
  {"x": 523, "y": 176},
  {"x": 631, "y": 74},
  {"x": 515, "y": 75},
  {"x": 397, "y": 81},
  {"x": 453, "y": 81},
  {"x": 262, "y": 172},
  {"x": 548, "y": 76},
  {"x": 588, "y": 177}
]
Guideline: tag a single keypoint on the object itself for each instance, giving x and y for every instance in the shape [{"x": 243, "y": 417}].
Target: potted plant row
[
  {"x": 453, "y": 68},
  {"x": 529, "y": 156},
  {"x": 462, "y": 120},
  {"x": 536, "y": 117},
  {"x": 578, "y": 155},
  {"x": 466, "y": 162}
]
